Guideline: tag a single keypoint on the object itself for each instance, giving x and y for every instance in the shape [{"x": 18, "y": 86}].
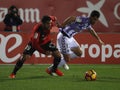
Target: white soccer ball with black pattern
[{"x": 90, "y": 75}]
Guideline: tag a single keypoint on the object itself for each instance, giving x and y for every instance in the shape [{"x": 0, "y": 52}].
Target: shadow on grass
[
  {"x": 24, "y": 78},
  {"x": 109, "y": 79},
  {"x": 99, "y": 79}
]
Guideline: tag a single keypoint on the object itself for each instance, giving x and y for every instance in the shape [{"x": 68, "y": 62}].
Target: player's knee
[
  {"x": 24, "y": 57},
  {"x": 79, "y": 53},
  {"x": 76, "y": 50}
]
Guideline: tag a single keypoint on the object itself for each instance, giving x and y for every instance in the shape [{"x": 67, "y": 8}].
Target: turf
[{"x": 34, "y": 77}]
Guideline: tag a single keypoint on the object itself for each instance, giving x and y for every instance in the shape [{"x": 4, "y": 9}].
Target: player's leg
[
  {"x": 53, "y": 69},
  {"x": 62, "y": 45},
  {"x": 70, "y": 50},
  {"x": 63, "y": 64},
  {"x": 75, "y": 50},
  {"x": 26, "y": 55},
  {"x": 57, "y": 57},
  {"x": 56, "y": 61},
  {"x": 18, "y": 65}
]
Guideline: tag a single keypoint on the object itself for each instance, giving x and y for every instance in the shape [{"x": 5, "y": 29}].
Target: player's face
[
  {"x": 47, "y": 25},
  {"x": 93, "y": 20}
]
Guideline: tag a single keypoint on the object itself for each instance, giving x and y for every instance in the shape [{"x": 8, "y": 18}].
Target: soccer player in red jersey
[{"x": 40, "y": 41}]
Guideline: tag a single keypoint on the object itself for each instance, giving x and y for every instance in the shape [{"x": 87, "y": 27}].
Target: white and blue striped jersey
[{"x": 80, "y": 24}]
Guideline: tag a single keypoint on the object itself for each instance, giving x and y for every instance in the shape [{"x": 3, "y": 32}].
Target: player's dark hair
[
  {"x": 12, "y": 7},
  {"x": 45, "y": 19},
  {"x": 95, "y": 13}
]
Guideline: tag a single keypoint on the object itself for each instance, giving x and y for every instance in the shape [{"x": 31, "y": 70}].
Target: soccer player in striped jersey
[{"x": 67, "y": 45}]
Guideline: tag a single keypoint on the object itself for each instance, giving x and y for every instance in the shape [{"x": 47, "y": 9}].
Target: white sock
[{"x": 62, "y": 62}]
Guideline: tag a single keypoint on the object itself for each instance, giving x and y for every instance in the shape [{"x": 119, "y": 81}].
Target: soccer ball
[{"x": 90, "y": 75}]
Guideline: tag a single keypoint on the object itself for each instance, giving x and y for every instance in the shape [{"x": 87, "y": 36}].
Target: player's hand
[{"x": 101, "y": 42}]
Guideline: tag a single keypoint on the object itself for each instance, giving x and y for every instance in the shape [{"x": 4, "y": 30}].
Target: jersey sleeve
[{"x": 78, "y": 19}]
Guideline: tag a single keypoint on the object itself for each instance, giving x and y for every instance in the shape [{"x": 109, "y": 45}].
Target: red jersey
[{"x": 40, "y": 37}]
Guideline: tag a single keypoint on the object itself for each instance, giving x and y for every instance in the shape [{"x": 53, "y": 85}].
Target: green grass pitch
[{"x": 34, "y": 77}]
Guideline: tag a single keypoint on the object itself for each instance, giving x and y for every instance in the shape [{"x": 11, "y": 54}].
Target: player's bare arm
[
  {"x": 68, "y": 21},
  {"x": 93, "y": 33}
]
